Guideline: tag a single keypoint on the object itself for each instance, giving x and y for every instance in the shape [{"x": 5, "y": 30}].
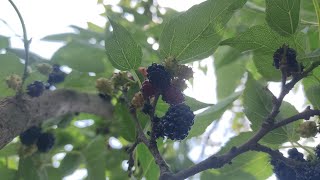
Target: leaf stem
[
  {"x": 26, "y": 43},
  {"x": 306, "y": 149},
  {"x": 135, "y": 77}
]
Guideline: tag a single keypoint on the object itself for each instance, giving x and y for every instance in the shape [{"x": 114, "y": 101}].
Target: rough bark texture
[{"x": 19, "y": 113}]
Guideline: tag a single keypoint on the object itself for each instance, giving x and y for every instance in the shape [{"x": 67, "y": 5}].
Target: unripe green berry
[
  {"x": 14, "y": 81},
  {"x": 44, "y": 68},
  {"x": 308, "y": 129},
  {"x": 104, "y": 86},
  {"x": 137, "y": 100}
]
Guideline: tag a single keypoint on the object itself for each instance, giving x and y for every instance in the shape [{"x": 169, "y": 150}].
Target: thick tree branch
[{"x": 19, "y": 113}]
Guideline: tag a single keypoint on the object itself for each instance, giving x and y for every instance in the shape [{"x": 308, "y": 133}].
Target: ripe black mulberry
[
  {"x": 56, "y": 76},
  {"x": 30, "y": 136},
  {"x": 158, "y": 76},
  {"x": 177, "y": 122},
  {"x": 286, "y": 57},
  {"x": 45, "y": 142},
  {"x": 172, "y": 95},
  {"x": 35, "y": 89}
]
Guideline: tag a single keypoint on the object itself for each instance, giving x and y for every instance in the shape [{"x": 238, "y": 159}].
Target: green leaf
[
  {"x": 7, "y": 173},
  {"x": 236, "y": 141},
  {"x": 4, "y": 42},
  {"x": 230, "y": 66},
  {"x": 313, "y": 56},
  {"x": 283, "y": 16},
  {"x": 312, "y": 80},
  {"x": 70, "y": 163},
  {"x": 123, "y": 52},
  {"x": 27, "y": 169},
  {"x": 63, "y": 37},
  {"x": 261, "y": 38},
  {"x": 288, "y": 110},
  {"x": 162, "y": 108},
  {"x": 79, "y": 81},
  {"x": 9, "y": 150},
  {"x": 150, "y": 168},
  {"x": 53, "y": 173},
  {"x": 127, "y": 126},
  {"x": 229, "y": 78},
  {"x": 94, "y": 155},
  {"x": 257, "y": 103},
  {"x": 33, "y": 58},
  {"x": 247, "y": 166},
  {"x": 264, "y": 42},
  {"x": 204, "y": 119},
  {"x": 263, "y": 63},
  {"x": 9, "y": 64},
  {"x": 82, "y": 57},
  {"x": 195, "y": 104},
  {"x": 224, "y": 56},
  {"x": 195, "y": 34},
  {"x": 313, "y": 95}
]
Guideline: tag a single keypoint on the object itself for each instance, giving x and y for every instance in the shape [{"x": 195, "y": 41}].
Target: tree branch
[{"x": 19, "y": 114}]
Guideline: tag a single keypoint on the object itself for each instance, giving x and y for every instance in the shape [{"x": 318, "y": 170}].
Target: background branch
[
  {"x": 26, "y": 44},
  {"x": 18, "y": 114}
]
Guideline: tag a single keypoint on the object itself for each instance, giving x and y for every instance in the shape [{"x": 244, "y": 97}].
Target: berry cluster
[
  {"x": 175, "y": 124},
  {"x": 284, "y": 58},
  {"x": 55, "y": 75},
  {"x": 307, "y": 171},
  {"x": 169, "y": 81},
  {"x": 308, "y": 129},
  {"x": 33, "y": 135}
]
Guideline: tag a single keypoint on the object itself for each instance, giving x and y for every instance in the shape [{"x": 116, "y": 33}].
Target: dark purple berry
[
  {"x": 147, "y": 90},
  {"x": 45, "y": 142},
  {"x": 295, "y": 154},
  {"x": 282, "y": 171},
  {"x": 35, "y": 89},
  {"x": 172, "y": 95},
  {"x": 285, "y": 57},
  {"x": 147, "y": 108},
  {"x": 56, "y": 76},
  {"x": 30, "y": 136},
  {"x": 177, "y": 122},
  {"x": 317, "y": 151},
  {"x": 158, "y": 76}
]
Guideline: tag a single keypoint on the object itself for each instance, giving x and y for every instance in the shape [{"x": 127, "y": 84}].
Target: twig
[
  {"x": 152, "y": 146},
  {"x": 206, "y": 138},
  {"x": 303, "y": 115},
  {"x": 26, "y": 43},
  {"x": 131, "y": 156}
]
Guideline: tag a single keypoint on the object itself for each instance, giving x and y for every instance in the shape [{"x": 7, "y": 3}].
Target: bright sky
[{"x": 45, "y": 17}]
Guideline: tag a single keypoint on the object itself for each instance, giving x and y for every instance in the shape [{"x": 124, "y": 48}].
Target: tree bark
[{"x": 19, "y": 113}]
